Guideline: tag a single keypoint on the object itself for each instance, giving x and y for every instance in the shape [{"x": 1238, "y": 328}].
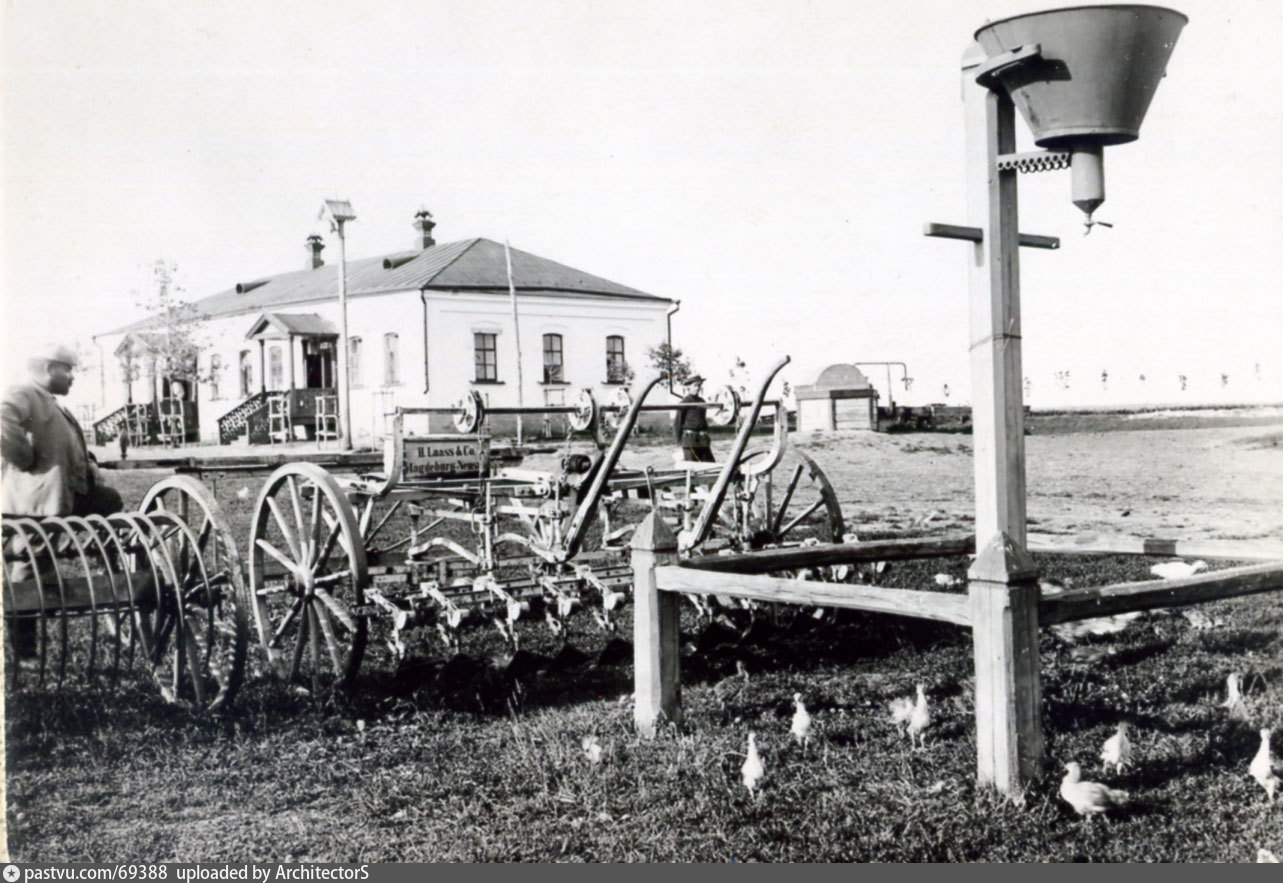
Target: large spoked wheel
[
  {"x": 199, "y": 628},
  {"x": 790, "y": 504},
  {"x": 308, "y": 575}
]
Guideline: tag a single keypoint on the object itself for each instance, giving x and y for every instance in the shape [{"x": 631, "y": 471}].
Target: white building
[{"x": 425, "y": 326}]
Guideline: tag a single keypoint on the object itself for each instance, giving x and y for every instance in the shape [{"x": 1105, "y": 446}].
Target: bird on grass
[
  {"x": 752, "y": 770},
  {"x": 1234, "y": 697},
  {"x": 1117, "y": 749},
  {"x": 731, "y": 688},
  {"x": 1264, "y": 857},
  {"x": 919, "y": 719},
  {"x": 945, "y": 581},
  {"x": 1177, "y": 569},
  {"x": 243, "y": 493},
  {"x": 1088, "y": 798},
  {"x": 592, "y": 749},
  {"x": 1262, "y": 767},
  {"x": 801, "y": 728}
]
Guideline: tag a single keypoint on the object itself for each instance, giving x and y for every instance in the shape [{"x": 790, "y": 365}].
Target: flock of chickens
[{"x": 1088, "y": 799}]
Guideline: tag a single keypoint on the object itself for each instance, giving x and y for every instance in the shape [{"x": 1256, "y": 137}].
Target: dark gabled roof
[
  {"x": 468, "y": 265},
  {"x": 285, "y": 324}
]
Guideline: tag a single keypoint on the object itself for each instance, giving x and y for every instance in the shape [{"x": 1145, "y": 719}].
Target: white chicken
[
  {"x": 752, "y": 770},
  {"x": 592, "y": 749},
  {"x": 243, "y": 493},
  {"x": 901, "y": 711},
  {"x": 1117, "y": 749},
  {"x": 1088, "y": 798},
  {"x": 945, "y": 581},
  {"x": 1264, "y": 857},
  {"x": 919, "y": 719},
  {"x": 1262, "y": 767},
  {"x": 1177, "y": 569},
  {"x": 1234, "y": 697},
  {"x": 801, "y": 728}
]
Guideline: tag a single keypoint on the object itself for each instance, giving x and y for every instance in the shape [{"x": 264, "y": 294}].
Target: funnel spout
[{"x": 1087, "y": 169}]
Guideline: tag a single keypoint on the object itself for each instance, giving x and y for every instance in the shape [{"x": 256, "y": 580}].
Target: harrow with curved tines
[{"x": 97, "y": 598}]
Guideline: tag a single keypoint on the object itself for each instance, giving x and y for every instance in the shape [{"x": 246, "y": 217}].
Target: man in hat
[
  {"x": 47, "y": 468},
  {"x": 690, "y": 425}
]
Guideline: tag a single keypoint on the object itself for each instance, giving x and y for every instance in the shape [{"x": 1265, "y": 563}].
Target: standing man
[
  {"x": 690, "y": 425},
  {"x": 47, "y": 468}
]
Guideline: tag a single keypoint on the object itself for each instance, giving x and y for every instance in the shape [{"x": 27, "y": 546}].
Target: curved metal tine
[
  {"x": 69, "y": 525},
  {"x": 699, "y": 532},
  {"x": 209, "y": 605},
  {"x": 62, "y": 602},
  {"x": 15, "y": 530},
  {"x": 575, "y": 531},
  {"x": 122, "y": 553},
  {"x": 779, "y": 444},
  {"x": 96, "y": 524},
  {"x": 186, "y": 649},
  {"x": 180, "y": 617},
  {"x": 135, "y": 546}
]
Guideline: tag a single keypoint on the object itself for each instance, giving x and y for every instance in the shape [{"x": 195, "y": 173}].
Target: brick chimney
[
  {"x": 423, "y": 225},
  {"x": 314, "y": 246}
]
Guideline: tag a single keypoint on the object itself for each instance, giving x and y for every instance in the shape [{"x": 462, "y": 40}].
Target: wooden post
[
  {"x": 262, "y": 366},
  {"x": 998, "y": 416},
  {"x": 1004, "y": 590},
  {"x": 656, "y": 635},
  {"x": 291, "y": 337},
  {"x": 1004, "y": 631}
]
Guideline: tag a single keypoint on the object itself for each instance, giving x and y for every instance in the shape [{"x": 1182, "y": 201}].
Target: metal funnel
[{"x": 1095, "y": 74}]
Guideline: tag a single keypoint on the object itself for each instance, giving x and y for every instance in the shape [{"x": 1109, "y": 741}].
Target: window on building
[
  {"x": 354, "y": 361},
  {"x": 391, "y": 359},
  {"x": 215, "y": 373},
  {"x": 485, "y": 354},
  {"x": 616, "y": 367},
  {"x": 275, "y": 368},
  {"x": 552, "y": 359},
  {"x": 246, "y": 373}
]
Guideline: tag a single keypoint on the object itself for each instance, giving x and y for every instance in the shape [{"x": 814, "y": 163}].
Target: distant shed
[{"x": 840, "y": 398}]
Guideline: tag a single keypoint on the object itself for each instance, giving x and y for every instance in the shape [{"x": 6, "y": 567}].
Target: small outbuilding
[{"x": 840, "y": 398}]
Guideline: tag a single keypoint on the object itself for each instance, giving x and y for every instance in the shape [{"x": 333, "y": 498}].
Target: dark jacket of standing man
[
  {"x": 690, "y": 425},
  {"x": 47, "y": 469}
]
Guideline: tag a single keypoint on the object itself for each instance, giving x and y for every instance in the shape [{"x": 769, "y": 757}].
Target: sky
[{"x": 770, "y": 164}]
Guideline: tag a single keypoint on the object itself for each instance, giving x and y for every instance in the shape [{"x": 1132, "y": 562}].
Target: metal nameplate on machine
[{"x": 438, "y": 456}]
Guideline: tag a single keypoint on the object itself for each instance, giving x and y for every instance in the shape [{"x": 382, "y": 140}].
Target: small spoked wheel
[
  {"x": 792, "y": 503},
  {"x": 196, "y": 632},
  {"x": 307, "y": 576}
]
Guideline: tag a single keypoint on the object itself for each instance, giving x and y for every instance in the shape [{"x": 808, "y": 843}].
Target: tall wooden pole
[
  {"x": 1003, "y": 587},
  {"x": 345, "y": 392},
  {"x": 516, "y": 334}
]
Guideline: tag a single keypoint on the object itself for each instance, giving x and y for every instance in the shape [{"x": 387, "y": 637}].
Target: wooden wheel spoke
[
  {"x": 197, "y": 671},
  {"x": 300, "y": 640},
  {"x": 336, "y": 607},
  {"x": 291, "y": 566},
  {"x": 314, "y": 543},
  {"x": 314, "y": 639},
  {"x": 331, "y": 640},
  {"x": 788, "y": 498},
  {"x": 802, "y": 517},
  {"x": 290, "y": 540},
  {"x": 318, "y": 566},
  {"x": 330, "y": 579},
  {"x": 286, "y": 622}
]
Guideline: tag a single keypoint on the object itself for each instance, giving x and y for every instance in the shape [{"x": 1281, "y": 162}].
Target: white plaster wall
[{"x": 452, "y": 318}]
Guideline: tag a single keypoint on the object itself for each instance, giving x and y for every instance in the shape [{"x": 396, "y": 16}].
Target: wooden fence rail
[{"x": 1003, "y": 607}]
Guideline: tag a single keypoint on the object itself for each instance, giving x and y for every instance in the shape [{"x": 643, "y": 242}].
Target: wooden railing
[
  {"x": 1008, "y": 722},
  {"x": 236, "y": 421}
]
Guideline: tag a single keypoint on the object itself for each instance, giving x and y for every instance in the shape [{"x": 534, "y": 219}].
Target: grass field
[{"x": 436, "y": 759}]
